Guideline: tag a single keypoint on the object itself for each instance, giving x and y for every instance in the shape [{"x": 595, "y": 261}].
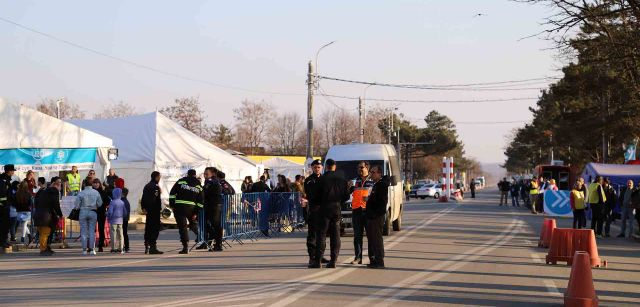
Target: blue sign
[
  {"x": 48, "y": 158},
  {"x": 557, "y": 203}
]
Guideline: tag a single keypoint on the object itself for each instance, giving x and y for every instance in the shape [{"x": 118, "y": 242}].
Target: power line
[
  {"x": 142, "y": 66},
  {"x": 447, "y": 87},
  {"x": 326, "y": 98},
  {"x": 433, "y": 101}
]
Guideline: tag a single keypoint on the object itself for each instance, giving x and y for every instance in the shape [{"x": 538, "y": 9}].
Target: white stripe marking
[{"x": 551, "y": 287}]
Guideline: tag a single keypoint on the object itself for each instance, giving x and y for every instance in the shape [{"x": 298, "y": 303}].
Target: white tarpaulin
[
  {"x": 280, "y": 166},
  {"x": 152, "y": 141},
  {"x": 35, "y": 141}
]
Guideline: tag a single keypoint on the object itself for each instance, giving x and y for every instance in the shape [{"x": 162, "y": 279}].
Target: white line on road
[
  {"x": 420, "y": 280},
  {"x": 310, "y": 278},
  {"x": 551, "y": 287}
]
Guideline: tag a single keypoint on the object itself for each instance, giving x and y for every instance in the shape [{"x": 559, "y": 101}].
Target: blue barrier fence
[{"x": 249, "y": 216}]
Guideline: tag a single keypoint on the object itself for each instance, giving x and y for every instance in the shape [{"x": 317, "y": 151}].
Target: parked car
[
  {"x": 414, "y": 190},
  {"x": 429, "y": 190}
]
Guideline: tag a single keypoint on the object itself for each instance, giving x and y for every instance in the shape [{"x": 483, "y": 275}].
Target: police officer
[
  {"x": 359, "y": 191},
  {"x": 227, "y": 188},
  {"x": 186, "y": 199},
  {"x": 213, "y": 208},
  {"x": 313, "y": 208},
  {"x": 333, "y": 191},
  {"x": 152, "y": 204},
  {"x": 376, "y": 211},
  {"x": 5, "y": 194}
]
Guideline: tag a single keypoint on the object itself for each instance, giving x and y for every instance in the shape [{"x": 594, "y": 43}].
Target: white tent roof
[
  {"x": 283, "y": 167},
  {"x": 153, "y": 137},
  {"x": 32, "y": 129}
]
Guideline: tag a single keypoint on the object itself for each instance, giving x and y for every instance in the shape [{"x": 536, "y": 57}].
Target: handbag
[{"x": 74, "y": 215}]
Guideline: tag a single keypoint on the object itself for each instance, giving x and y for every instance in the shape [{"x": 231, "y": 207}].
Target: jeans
[
  {"x": 43, "y": 233},
  {"x": 514, "y": 200},
  {"x": 359, "y": 222},
  {"x": 24, "y": 222},
  {"x": 579, "y": 219},
  {"x": 117, "y": 236},
  {"x": 627, "y": 217},
  {"x": 88, "y": 220}
]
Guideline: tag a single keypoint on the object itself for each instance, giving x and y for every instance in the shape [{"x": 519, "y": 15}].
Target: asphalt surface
[{"x": 468, "y": 253}]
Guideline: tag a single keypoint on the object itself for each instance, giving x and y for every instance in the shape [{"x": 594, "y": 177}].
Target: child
[{"x": 116, "y": 214}]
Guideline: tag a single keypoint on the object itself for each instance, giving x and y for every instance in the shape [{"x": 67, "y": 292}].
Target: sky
[{"x": 259, "y": 50}]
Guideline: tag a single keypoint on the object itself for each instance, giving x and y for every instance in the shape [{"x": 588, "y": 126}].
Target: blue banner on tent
[
  {"x": 48, "y": 159},
  {"x": 557, "y": 203}
]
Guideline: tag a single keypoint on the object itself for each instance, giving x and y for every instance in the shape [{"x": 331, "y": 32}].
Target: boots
[
  {"x": 185, "y": 248},
  {"x": 154, "y": 250},
  {"x": 146, "y": 249}
]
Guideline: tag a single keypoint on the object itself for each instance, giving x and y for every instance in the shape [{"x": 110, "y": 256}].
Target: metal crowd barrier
[{"x": 249, "y": 216}]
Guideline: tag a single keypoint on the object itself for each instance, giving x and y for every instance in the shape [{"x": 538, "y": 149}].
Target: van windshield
[{"x": 349, "y": 169}]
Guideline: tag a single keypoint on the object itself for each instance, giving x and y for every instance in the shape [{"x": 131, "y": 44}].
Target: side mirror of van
[{"x": 393, "y": 180}]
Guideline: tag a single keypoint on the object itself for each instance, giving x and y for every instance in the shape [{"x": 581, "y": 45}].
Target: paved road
[{"x": 469, "y": 253}]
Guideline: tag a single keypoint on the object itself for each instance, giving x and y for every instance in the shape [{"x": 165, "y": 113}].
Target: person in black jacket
[
  {"x": 260, "y": 186},
  {"x": 609, "y": 205},
  {"x": 376, "y": 211},
  {"x": 47, "y": 213},
  {"x": 226, "y": 187},
  {"x": 333, "y": 191},
  {"x": 102, "y": 211},
  {"x": 186, "y": 198},
  {"x": 152, "y": 204},
  {"x": 213, "y": 208},
  {"x": 313, "y": 209},
  {"x": 5, "y": 195}
]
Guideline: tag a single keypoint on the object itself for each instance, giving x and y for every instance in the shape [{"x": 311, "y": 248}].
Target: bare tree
[
  {"x": 252, "y": 120},
  {"x": 67, "y": 110},
  {"x": 340, "y": 127},
  {"x": 283, "y": 131},
  {"x": 187, "y": 113},
  {"x": 115, "y": 110}
]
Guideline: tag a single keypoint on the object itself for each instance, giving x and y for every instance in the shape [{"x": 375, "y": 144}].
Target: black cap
[
  {"x": 9, "y": 167},
  {"x": 330, "y": 162},
  {"x": 316, "y": 162},
  {"x": 191, "y": 173}
]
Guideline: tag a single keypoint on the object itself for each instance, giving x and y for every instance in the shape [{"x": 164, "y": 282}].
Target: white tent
[
  {"x": 280, "y": 166},
  {"x": 35, "y": 141},
  {"x": 152, "y": 141}
]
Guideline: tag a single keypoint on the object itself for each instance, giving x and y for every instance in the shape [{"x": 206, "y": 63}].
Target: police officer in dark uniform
[
  {"x": 376, "y": 211},
  {"x": 5, "y": 195},
  {"x": 213, "y": 208},
  {"x": 313, "y": 209},
  {"x": 186, "y": 198},
  {"x": 152, "y": 204},
  {"x": 227, "y": 188},
  {"x": 333, "y": 191},
  {"x": 359, "y": 191}
]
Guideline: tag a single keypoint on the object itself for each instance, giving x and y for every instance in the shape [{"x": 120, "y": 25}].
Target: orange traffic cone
[
  {"x": 546, "y": 233},
  {"x": 585, "y": 240},
  {"x": 580, "y": 291}
]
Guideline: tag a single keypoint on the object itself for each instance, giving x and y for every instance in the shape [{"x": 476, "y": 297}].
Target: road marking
[
  {"x": 536, "y": 258},
  {"x": 419, "y": 280},
  {"x": 323, "y": 282},
  {"x": 290, "y": 285},
  {"x": 92, "y": 267},
  {"x": 551, "y": 287}
]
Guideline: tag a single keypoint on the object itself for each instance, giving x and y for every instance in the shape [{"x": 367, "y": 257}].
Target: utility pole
[
  {"x": 361, "y": 118},
  {"x": 310, "y": 88}
]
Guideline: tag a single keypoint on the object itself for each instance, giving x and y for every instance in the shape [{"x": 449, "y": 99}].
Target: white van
[{"x": 347, "y": 158}]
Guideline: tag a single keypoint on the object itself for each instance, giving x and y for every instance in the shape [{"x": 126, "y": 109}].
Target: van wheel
[
  {"x": 397, "y": 224},
  {"x": 386, "y": 230},
  {"x": 436, "y": 196}
]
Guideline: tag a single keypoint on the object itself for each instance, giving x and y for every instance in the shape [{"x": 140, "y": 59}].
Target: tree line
[
  {"x": 259, "y": 128},
  {"x": 591, "y": 112}
]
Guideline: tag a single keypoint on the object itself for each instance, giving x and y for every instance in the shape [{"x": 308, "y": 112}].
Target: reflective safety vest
[
  {"x": 361, "y": 190},
  {"x": 534, "y": 187},
  {"x": 578, "y": 199},
  {"x": 593, "y": 192},
  {"x": 74, "y": 182}
]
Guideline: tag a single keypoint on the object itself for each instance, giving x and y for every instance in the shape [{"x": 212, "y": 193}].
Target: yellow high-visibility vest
[
  {"x": 592, "y": 192},
  {"x": 74, "y": 182},
  {"x": 534, "y": 187},
  {"x": 578, "y": 199}
]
